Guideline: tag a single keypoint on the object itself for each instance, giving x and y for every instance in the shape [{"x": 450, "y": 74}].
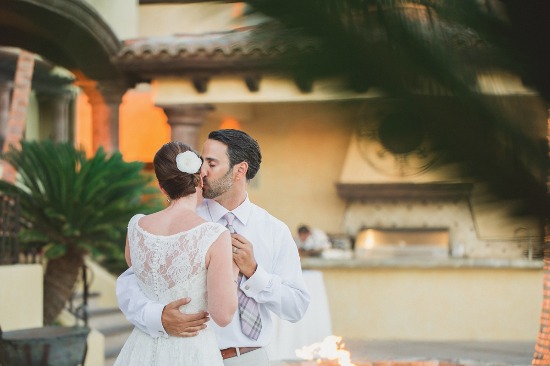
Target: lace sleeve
[
  {"x": 133, "y": 221},
  {"x": 212, "y": 232}
]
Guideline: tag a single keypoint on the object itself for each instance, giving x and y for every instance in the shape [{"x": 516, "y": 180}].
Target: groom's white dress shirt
[{"x": 277, "y": 285}]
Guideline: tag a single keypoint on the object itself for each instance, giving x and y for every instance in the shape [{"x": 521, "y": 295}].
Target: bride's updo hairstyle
[{"x": 171, "y": 178}]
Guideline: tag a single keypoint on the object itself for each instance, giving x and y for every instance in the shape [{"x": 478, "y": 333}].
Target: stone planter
[{"x": 46, "y": 346}]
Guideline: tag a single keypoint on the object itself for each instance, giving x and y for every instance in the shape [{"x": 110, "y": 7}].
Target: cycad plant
[{"x": 73, "y": 205}]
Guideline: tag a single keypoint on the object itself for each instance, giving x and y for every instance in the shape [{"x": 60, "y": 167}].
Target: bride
[{"x": 177, "y": 254}]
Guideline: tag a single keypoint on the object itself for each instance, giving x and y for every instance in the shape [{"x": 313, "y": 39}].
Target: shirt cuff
[
  {"x": 255, "y": 284},
  {"x": 152, "y": 317}
]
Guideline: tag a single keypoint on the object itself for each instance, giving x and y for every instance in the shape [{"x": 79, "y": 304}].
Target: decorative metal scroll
[{"x": 9, "y": 229}]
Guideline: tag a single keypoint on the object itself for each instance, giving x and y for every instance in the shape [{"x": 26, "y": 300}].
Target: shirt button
[{"x": 247, "y": 287}]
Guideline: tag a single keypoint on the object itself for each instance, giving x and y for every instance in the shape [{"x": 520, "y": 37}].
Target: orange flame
[{"x": 329, "y": 349}]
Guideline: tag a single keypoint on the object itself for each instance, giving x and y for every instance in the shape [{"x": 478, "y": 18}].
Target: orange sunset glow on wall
[{"x": 142, "y": 129}]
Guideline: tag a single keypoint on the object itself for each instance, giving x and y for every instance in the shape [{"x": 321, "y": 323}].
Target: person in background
[
  {"x": 270, "y": 279},
  {"x": 311, "y": 241}
]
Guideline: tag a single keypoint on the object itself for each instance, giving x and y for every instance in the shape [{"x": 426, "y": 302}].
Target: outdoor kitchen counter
[
  {"x": 401, "y": 262},
  {"x": 432, "y": 298}
]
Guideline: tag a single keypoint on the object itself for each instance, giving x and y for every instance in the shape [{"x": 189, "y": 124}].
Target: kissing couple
[{"x": 207, "y": 272}]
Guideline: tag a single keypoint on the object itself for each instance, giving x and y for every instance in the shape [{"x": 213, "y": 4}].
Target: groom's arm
[
  {"x": 138, "y": 309},
  {"x": 154, "y": 318},
  {"x": 283, "y": 291}
]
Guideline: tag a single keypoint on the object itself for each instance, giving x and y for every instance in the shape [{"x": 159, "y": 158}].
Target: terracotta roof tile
[{"x": 241, "y": 43}]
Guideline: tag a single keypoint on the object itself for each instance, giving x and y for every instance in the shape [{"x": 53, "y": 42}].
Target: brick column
[
  {"x": 542, "y": 347},
  {"x": 18, "y": 109},
  {"x": 185, "y": 121},
  {"x": 5, "y": 93}
]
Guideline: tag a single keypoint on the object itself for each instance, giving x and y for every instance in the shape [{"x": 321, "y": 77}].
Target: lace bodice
[
  {"x": 168, "y": 268},
  {"x": 172, "y": 267}
]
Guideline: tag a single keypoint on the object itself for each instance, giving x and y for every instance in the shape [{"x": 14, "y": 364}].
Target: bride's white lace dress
[{"x": 168, "y": 268}]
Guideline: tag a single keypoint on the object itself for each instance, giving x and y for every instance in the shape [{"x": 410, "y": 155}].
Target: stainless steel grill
[{"x": 402, "y": 242}]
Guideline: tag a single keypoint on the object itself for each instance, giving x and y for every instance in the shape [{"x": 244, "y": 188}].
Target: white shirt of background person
[{"x": 316, "y": 240}]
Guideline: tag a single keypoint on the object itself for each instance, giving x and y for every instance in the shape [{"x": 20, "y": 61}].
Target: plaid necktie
[{"x": 249, "y": 312}]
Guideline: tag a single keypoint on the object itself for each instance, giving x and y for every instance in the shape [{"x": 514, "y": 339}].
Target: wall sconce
[{"x": 230, "y": 123}]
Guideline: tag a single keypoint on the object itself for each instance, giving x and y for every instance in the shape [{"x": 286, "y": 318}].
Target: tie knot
[{"x": 229, "y": 217}]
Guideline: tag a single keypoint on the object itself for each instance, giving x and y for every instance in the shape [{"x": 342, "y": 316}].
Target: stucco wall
[
  {"x": 165, "y": 19},
  {"x": 310, "y": 143},
  {"x": 435, "y": 303},
  {"x": 21, "y": 296},
  {"x": 303, "y": 147},
  {"x": 121, "y": 15},
  {"x": 308, "y": 147}
]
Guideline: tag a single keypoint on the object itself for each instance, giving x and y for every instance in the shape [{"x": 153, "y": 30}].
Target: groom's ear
[{"x": 242, "y": 168}]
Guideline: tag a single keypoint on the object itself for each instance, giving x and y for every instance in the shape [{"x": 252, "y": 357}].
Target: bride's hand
[{"x": 177, "y": 324}]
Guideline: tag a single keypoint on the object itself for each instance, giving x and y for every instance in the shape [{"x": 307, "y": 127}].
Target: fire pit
[
  {"x": 332, "y": 352},
  {"x": 374, "y": 363}
]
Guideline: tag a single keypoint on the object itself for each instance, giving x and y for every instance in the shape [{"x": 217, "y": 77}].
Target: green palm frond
[{"x": 70, "y": 200}]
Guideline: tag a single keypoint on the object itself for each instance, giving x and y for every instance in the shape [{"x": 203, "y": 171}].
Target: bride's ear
[{"x": 163, "y": 191}]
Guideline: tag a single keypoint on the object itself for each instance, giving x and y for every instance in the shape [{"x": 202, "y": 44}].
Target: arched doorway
[{"x": 71, "y": 34}]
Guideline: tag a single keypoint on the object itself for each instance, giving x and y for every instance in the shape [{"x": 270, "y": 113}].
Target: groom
[{"x": 263, "y": 249}]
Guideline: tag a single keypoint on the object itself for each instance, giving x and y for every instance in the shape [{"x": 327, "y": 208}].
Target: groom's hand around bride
[{"x": 177, "y": 324}]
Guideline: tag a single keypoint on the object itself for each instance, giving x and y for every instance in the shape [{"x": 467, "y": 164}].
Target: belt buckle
[
  {"x": 236, "y": 351},
  {"x": 228, "y": 352}
]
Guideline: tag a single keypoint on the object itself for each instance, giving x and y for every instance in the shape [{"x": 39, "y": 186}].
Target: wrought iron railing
[
  {"x": 9, "y": 229},
  {"x": 78, "y": 303},
  {"x": 31, "y": 254}
]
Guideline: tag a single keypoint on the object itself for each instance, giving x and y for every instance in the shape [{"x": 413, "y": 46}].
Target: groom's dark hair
[{"x": 240, "y": 147}]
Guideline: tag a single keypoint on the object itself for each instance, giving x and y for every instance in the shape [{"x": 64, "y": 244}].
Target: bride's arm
[
  {"x": 221, "y": 280},
  {"x": 127, "y": 253}
]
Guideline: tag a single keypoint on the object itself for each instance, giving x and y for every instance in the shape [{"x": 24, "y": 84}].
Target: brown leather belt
[{"x": 232, "y": 352}]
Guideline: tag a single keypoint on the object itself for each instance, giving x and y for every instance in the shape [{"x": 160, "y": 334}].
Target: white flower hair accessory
[{"x": 188, "y": 162}]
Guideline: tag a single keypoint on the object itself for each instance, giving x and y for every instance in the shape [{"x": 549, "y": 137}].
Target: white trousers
[{"x": 255, "y": 358}]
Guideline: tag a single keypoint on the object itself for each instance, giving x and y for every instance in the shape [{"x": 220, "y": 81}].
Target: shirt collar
[{"x": 217, "y": 211}]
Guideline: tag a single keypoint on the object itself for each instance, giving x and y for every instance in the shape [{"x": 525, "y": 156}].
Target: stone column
[
  {"x": 105, "y": 98},
  {"x": 186, "y": 121},
  {"x": 5, "y": 94},
  {"x": 61, "y": 120},
  {"x": 58, "y": 102}
]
